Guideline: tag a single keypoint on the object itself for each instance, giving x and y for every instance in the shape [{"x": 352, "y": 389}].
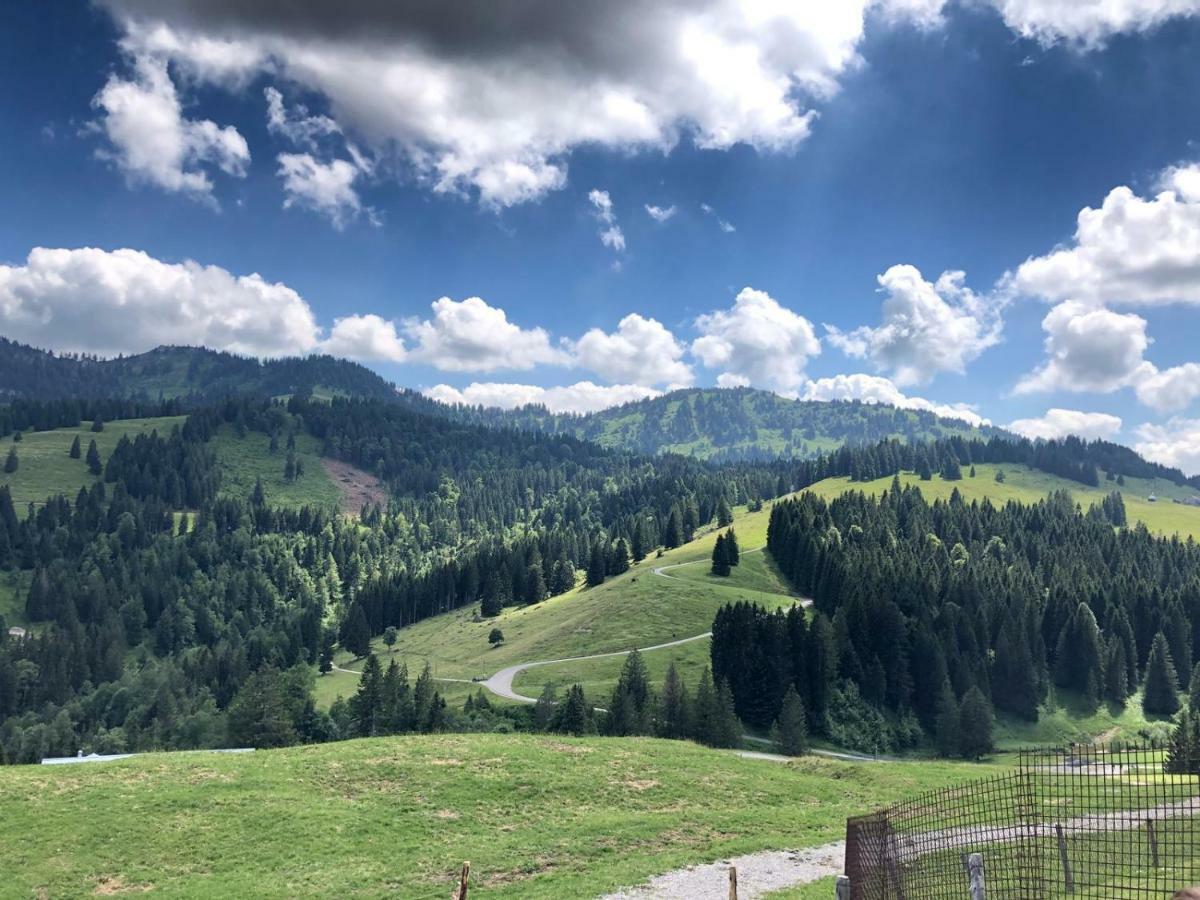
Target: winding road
[{"x": 501, "y": 684}]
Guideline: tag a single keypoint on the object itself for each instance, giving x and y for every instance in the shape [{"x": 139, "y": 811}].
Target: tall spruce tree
[
  {"x": 366, "y": 706},
  {"x": 674, "y": 712},
  {"x": 720, "y": 557},
  {"x": 1160, "y": 696},
  {"x": 948, "y": 730},
  {"x": 976, "y": 723},
  {"x": 790, "y": 730}
]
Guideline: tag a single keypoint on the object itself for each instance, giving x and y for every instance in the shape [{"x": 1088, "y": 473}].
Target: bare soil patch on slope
[{"x": 355, "y": 486}]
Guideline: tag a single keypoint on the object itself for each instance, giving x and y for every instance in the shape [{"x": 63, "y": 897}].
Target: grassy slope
[
  {"x": 638, "y": 609},
  {"x": 536, "y": 816},
  {"x": 46, "y": 469},
  {"x": 1025, "y": 485},
  {"x": 245, "y": 459}
]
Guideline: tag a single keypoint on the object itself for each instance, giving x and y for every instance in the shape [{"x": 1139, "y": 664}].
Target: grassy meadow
[
  {"x": 537, "y": 816},
  {"x": 1025, "y": 485},
  {"x": 46, "y": 468},
  {"x": 246, "y": 459}
]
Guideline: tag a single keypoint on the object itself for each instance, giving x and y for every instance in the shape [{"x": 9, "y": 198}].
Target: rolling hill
[
  {"x": 724, "y": 424},
  {"x": 185, "y": 372}
]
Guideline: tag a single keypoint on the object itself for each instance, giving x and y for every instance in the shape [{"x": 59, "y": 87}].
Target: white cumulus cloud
[
  {"x": 927, "y": 328},
  {"x": 640, "y": 351},
  {"x": 152, "y": 142},
  {"x": 756, "y": 341},
  {"x": 1169, "y": 390},
  {"x": 1088, "y": 23},
  {"x": 365, "y": 338},
  {"x": 1132, "y": 250},
  {"x": 877, "y": 389},
  {"x": 326, "y": 188},
  {"x": 471, "y": 336},
  {"x": 496, "y": 103},
  {"x": 1058, "y": 423},
  {"x": 1177, "y": 443},
  {"x": 125, "y": 301},
  {"x": 1089, "y": 349},
  {"x": 582, "y": 397}
]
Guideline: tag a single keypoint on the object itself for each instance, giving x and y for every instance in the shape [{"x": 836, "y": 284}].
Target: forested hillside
[
  {"x": 176, "y": 372},
  {"x": 930, "y": 615},
  {"x": 735, "y": 423},
  {"x": 164, "y": 612}
]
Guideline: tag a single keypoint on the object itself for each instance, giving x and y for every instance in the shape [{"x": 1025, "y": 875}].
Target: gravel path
[{"x": 757, "y": 873}]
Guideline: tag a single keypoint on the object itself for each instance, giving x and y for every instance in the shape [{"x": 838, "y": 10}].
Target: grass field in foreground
[
  {"x": 536, "y": 816},
  {"x": 46, "y": 468},
  {"x": 1025, "y": 485}
]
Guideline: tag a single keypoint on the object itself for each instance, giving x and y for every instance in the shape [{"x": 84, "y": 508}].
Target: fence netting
[{"x": 1102, "y": 823}]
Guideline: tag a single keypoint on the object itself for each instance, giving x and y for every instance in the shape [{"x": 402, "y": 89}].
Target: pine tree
[
  {"x": 1160, "y": 696},
  {"x": 597, "y": 565},
  {"x": 704, "y": 709},
  {"x": 259, "y": 496},
  {"x": 790, "y": 730},
  {"x": 976, "y": 722},
  {"x": 631, "y": 705},
  {"x": 673, "y": 707},
  {"x": 731, "y": 548},
  {"x": 673, "y": 535},
  {"x": 93, "y": 458},
  {"x": 1194, "y": 689},
  {"x": 727, "y": 730},
  {"x": 356, "y": 634},
  {"x": 724, "y": 514},
  {"x": 97, "y": 424},
  {"x": 425, "y": 705},
  {"x": 1116, "y": 688},
  {"x": 720, "y": 557},
  {"x": 619, "y": 562},
  {"x": 11, "y": 463},
  {"x": 75, "y": 450},
  {"x": 575, "y": 714},
  {"x": 366, "y": 706},
  {"x": 1183, "y": 749},
  {"x": 325, "y": 664},
  {"x": 948, "y": 731}
]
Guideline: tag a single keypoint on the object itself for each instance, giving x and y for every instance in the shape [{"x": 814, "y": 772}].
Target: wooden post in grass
[
  {"x": 843, "y": 887},
  {"x": 732, "y": 883},
  {"x": 1153, "y": 842},
  {"x": 461, "y": 893},
  {"x": 975, "y": 871},
  {"x": 1068, "y": 878}
]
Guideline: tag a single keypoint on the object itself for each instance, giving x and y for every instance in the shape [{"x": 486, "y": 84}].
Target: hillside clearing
[
  {"x": 1025, "y": 485},
  {"x": 46, "y": 468}
]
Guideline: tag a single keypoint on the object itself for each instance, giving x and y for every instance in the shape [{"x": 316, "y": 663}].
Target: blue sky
[{"x": 821, "y": 171}]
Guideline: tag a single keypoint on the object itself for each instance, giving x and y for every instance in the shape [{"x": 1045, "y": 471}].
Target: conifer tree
[
  {"x": 731, "y": 548},
  {"x": 948, "y": 732},
  {"x": 1183, "y": 749},
  {"x": 356, "y": 633},
  {"x": 673, "y": 535},
  {"x": 75, "y": 450},
  {"x": 724, "y": 514},
  {"x": 1194, "y": 689},
  {"x": 790, "y": 730},
  {"x": 720, "y": 557},
  {"x": 976, "y": 723},
  {"x": 425, "y": 700},
  {"x": 575, "y": 714},
  {"x": 597, "y": 565},
  {"x": 11, "y": 463},
  {"x": 727, "y": 729},
  {"x": 1116, "y": 688},
  {"x": 630, "y": 708},
  {"x": 93, "y": 458},
  {"x": 673, "y": 708},
  {"x": 325, "y": 664},
  {"x": 1160, "y": 696},
  {"x": 704, "y": 709},
  {"x": 366, "y": 706}
]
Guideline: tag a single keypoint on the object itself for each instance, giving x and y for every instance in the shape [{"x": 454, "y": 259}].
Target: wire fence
[{"x": 1086, "y": 821}]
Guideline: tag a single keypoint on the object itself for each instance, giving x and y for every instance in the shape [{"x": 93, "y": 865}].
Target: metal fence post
[
  {"x": 1068, "y": 877},
  {"x": 843, "y": 887},
  {"x": 975, "y": 871}
]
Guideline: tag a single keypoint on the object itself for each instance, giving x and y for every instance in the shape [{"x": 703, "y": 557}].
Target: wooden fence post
[
  {"x": 1153, "y": 842},
  {"x": 462, "y": 882},
  {"x": 1068, "y": 878},
  {"x": 732, "y": 883},
  {"x": 843, "y": 887},
  {"x": 975, "y": 871}
]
